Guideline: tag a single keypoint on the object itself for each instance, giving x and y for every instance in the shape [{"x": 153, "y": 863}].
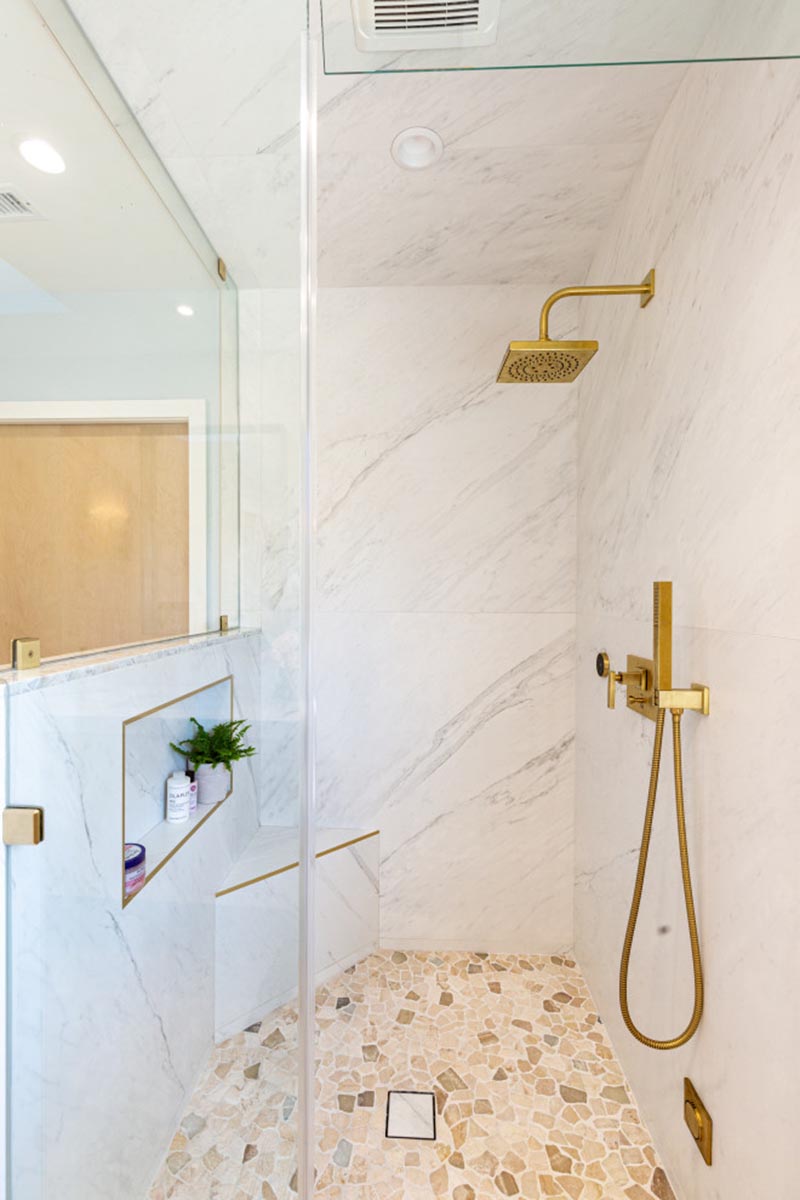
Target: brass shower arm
[{"x": 646, "y": 289}]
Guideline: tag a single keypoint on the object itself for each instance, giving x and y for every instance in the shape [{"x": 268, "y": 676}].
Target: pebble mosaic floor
[{"x": 531, "y": 1101}]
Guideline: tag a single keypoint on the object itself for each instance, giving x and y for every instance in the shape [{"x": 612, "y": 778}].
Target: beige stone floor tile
[{"x": 530, "y": 1099}]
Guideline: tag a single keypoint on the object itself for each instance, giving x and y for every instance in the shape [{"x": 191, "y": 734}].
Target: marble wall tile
[
  {"x": 112, "y": 1009},
  {"x": 445, "y": 564},
  {"x": 176, "y": 59},
  {"x": 483, "y": 216},
  {"x": 453, "y": 735},
  {"x": 688, "y": 440},
  {"x": 711, "y": 440},
  {"x": 438, "y": 489},
  {"x": 270, "y": 415}
]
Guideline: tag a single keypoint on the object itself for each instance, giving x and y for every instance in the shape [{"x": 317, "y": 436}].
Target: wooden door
[{"x": 94, "y": 533}]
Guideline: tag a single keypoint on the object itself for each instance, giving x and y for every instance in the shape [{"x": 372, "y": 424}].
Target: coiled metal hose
[{"x": 691, "y": 919}]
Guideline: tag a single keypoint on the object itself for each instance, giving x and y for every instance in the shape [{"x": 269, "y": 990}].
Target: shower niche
[{"x": 147, "y": 761}]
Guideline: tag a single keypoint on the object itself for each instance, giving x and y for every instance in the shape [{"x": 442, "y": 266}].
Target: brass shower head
[{"x": 547, "y": 361}]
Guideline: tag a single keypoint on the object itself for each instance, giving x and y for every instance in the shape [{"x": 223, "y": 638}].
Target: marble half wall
[
  {"x": 445, "y": 597},
  {"x": 112, "y": 1009},
  {"x": 689, "y": 438}
]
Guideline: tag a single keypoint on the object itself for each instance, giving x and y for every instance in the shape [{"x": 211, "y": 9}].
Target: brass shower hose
[{"x": 691, "y": 919}]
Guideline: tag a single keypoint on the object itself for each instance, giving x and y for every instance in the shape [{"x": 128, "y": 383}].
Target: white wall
[
  {"x": 445, "y": 601},
  {"x": 689, "y": 434}
]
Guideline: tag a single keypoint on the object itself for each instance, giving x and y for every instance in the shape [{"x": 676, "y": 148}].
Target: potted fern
[{"x": 211, "y": 753}]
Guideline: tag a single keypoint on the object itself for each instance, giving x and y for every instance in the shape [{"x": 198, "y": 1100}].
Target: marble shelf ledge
[
  {"x": 275, "y": 849},
  {"x": 166, "y": 838},
  {"x": 63, "y": 670}
]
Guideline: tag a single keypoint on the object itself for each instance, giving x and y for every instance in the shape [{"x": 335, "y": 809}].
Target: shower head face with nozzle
[{"x": 545, "y": 361}]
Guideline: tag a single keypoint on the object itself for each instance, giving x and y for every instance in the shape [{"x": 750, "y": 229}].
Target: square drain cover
[{"x": 411, "y": 1115}]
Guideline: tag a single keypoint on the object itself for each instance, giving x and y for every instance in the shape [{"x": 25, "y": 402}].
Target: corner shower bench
[{"x": 257, "y": 919}]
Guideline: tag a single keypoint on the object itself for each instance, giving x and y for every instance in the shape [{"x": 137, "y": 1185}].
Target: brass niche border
[
  {"x": 132, "y": 721},
  {"x": 363, "y": 837}
]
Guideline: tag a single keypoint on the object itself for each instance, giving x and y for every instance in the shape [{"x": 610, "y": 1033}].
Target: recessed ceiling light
[
  {"x": 42, "y": 155},
  {"x": 417, "y": 148},
  {"x": 185, "y": 310}
]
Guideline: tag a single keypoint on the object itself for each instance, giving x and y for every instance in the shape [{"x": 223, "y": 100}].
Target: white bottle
[{"x": 178, "y": 797}]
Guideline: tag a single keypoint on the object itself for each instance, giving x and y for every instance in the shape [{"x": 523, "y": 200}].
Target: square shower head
[{"x": 545, "y": 361}]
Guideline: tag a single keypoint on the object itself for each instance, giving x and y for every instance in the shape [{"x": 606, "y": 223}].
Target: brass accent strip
[
  {"x": 291, "y": 866},
  {"x": 344, "y": 845},
  {"x": 139, "y": 717},
  {"x": 257, "y": 879},
  {"x": 646, "y": 289}
]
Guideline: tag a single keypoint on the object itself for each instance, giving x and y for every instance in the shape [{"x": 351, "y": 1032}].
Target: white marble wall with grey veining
[
  {"x": 217, "y": 89},
  {"x": 270, "y": 414},
  {"x": 87, "y": 975},
  {"x": 689, "y": 438},
  {"x": 445, "y": 601},
  {"x": 510, "y": 200}
]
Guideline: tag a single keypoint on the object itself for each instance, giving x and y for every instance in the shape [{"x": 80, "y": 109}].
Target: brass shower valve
[{"x": 629, "y": 679}]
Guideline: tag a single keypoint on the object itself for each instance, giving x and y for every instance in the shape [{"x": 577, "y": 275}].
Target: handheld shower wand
[{"x": 650, "y": 692}]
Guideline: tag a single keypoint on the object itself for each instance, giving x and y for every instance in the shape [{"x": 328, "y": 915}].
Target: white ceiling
[{"x": 535, "y": 161}]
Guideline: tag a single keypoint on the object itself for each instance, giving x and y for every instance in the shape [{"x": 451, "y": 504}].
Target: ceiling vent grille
[
  {"x": 14, "y": 208},
  {"x": 397, "y": 25}
]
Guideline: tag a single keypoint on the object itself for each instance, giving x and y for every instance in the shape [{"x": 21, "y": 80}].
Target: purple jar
[{"x": 134, "y": 867}]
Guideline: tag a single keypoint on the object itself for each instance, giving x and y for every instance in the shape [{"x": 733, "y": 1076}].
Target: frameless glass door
[{"x": 149, "y": 468}]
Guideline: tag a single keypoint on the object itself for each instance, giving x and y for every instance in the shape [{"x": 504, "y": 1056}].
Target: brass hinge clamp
[
  {"x": 26, "y": 653},
  {"x": 23, "y": 826}
]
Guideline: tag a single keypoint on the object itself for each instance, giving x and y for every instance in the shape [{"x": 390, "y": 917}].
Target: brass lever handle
[{"x": 603, "y": 667}]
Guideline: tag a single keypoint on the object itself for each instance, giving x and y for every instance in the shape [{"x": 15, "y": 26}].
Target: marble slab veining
[
  {"x": 465, "y": 764},
  {"x": 689, "y": 438},
  {"x": 80, "y": 963}
]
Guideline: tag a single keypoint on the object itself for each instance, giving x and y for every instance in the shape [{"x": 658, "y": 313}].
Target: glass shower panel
[
  {"x": 119, "y": 390},
  {"x": 362, "y": 36},
  {"x": 151, "y": 483}
]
